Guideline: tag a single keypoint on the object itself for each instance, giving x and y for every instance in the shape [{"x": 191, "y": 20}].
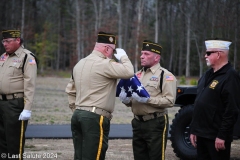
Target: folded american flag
[{"x": 131, "y": 85}]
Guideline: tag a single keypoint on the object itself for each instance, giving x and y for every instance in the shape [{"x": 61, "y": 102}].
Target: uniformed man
[
  {"x": 150, "y": 123},
  {"x": 92, "y": 90},
  {"x": 218, "y": 102},
  {"x": 18, "y": 73}
]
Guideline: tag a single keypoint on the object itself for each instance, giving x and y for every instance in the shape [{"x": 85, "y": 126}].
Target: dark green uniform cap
[
  {"x": 106, "y": 38},
  {"x": 151, "y": 46},
  {"x": 11, "y": 34}
]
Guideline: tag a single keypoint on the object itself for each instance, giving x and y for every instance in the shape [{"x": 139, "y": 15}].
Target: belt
[
  {"x": 6, "y": 97},
  {"x": 150, "y": 116},
  {"x": 96, "y": 110}
]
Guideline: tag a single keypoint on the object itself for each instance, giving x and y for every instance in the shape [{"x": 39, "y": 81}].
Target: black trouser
[
  {"x": 90, "y": 135},
  {"x": 206, "y": 150},
  {"x": 12, "y": 130},
  {"x": 150, "y": 138}
]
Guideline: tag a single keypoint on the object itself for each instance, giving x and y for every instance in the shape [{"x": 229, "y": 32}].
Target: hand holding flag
[
  {"x": 131, "y": 85},
  {"x": 139, "y": 99},
  {"x": 123, "y": 97}
]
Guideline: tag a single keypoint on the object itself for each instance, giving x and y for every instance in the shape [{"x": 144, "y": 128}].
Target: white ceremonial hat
[{"x": 220, "y": 44}]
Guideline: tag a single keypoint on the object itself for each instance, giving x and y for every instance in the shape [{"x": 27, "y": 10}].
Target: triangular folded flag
[{"x": 131, "y": 85}]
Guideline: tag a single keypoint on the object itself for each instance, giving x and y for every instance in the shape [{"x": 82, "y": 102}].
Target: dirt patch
[
  {"x": 51, "y": 107},
  {"x": 119, "y": 149}
]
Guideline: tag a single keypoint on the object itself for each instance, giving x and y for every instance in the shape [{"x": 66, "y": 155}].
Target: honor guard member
[
  {"x": 92, "y": 90},
  {"x": 150, "y": 123},
  {"x": 218, "y": 102},
  {"x": 18, "y": 73}
]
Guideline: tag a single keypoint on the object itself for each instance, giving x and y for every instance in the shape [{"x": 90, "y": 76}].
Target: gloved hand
[
  {"x": 120, "y": 53},
  {"x": 138, "y": 98},
  {"x": 25, "y": 115},
  {"x": 123, "y": 97}
]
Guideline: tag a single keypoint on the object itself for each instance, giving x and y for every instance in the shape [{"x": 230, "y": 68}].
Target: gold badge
[
  {"x": 110, "y": 39},
  {"x": 214, "y": 84},
  {"x": 15, "y": 34}
]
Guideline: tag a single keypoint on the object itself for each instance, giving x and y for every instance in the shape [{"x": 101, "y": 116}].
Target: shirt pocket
[
  {"x": 15, "y": 69},
  {"x": 152, "y": 87}
]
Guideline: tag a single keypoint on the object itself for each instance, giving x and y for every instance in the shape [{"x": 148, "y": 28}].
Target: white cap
[{"x": 220, "y": 44}]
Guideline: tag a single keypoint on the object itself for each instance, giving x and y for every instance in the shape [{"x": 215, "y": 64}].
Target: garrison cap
[
  {"x": 151, "y": 46},
  {"x": 217, "y": 43},
  {"x": 106, "y": 38},
  {"x": 11, "y": 34}
]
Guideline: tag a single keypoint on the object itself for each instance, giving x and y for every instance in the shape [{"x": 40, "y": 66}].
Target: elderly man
[
  {"x": 91, "y": 92},
  {"x": 218, "y": 102}
]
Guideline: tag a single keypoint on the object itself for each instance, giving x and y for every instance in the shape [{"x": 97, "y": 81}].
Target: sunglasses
[{"x": 208, "y": 53}]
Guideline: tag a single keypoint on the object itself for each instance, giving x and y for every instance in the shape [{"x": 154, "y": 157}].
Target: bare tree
[
  {"x": 236, "y": 30},
  {"x": 119, "y": 9},
  {"x": 126, "y": 22},
  {"x": 156, "y": 21},
  {"x": 60, "y": 32},
  {"x": 98, "y": 13},
  {"x": 23, "y": 18},
  {"x": 187, "y": 13},
  {"x": 78, "y": 30},
  {"x": 139, "y": 19}
]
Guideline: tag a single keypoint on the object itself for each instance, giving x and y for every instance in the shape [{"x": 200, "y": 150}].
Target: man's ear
[
  {"x": 157, "y": 58},
  {"x": 18, "y": 40}
]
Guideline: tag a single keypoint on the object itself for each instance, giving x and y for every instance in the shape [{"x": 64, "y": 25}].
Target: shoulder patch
[
  {"x": 32, "y": 61},
  {"x": 169, "y": 78}
]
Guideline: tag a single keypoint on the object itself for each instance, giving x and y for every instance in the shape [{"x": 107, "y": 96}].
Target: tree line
[{"x": 61, "y": 32}]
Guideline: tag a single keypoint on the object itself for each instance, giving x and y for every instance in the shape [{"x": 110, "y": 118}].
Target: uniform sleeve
[
  {"x": 168, "y": 96},
  {"x": 122, "y": 70},
  {"x": 230, "y": 98},
  {"x": 30, "y": 74},
  {"x": 71, "y": 91}
]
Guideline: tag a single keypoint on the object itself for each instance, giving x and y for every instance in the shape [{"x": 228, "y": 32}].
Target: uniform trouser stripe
[
  {"x": 100, "y": 139},
  {"x": 163, "y": 138},
  {"x": 21, "y": 140}
]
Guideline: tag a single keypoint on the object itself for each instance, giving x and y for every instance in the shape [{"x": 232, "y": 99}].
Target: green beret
[
  {"x": 11, "y": 34},
  {"x": 151, "y": 46},
  {"x": 106, "y": 38}
]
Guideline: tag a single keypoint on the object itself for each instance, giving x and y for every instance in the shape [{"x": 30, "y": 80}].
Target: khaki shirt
[
  {"x": 12, "y": 78},
  {"x": 158, "y": 102},
  {"x": 94, "y": 81}
]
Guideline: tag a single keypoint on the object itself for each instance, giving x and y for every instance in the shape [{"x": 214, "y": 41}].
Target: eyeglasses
[
  {"x": 114, "y": 50},
  {"x": 208, "y": 53},
  {"x": 7, "y": 41}
]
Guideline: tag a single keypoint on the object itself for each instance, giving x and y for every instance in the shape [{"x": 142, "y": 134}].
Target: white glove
[
  {"x": 120, "y": 53},
  {"x": 123, "y": 97},
  {"x": 25, "y": 115},
  {"x": 138, "y": 98}
]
